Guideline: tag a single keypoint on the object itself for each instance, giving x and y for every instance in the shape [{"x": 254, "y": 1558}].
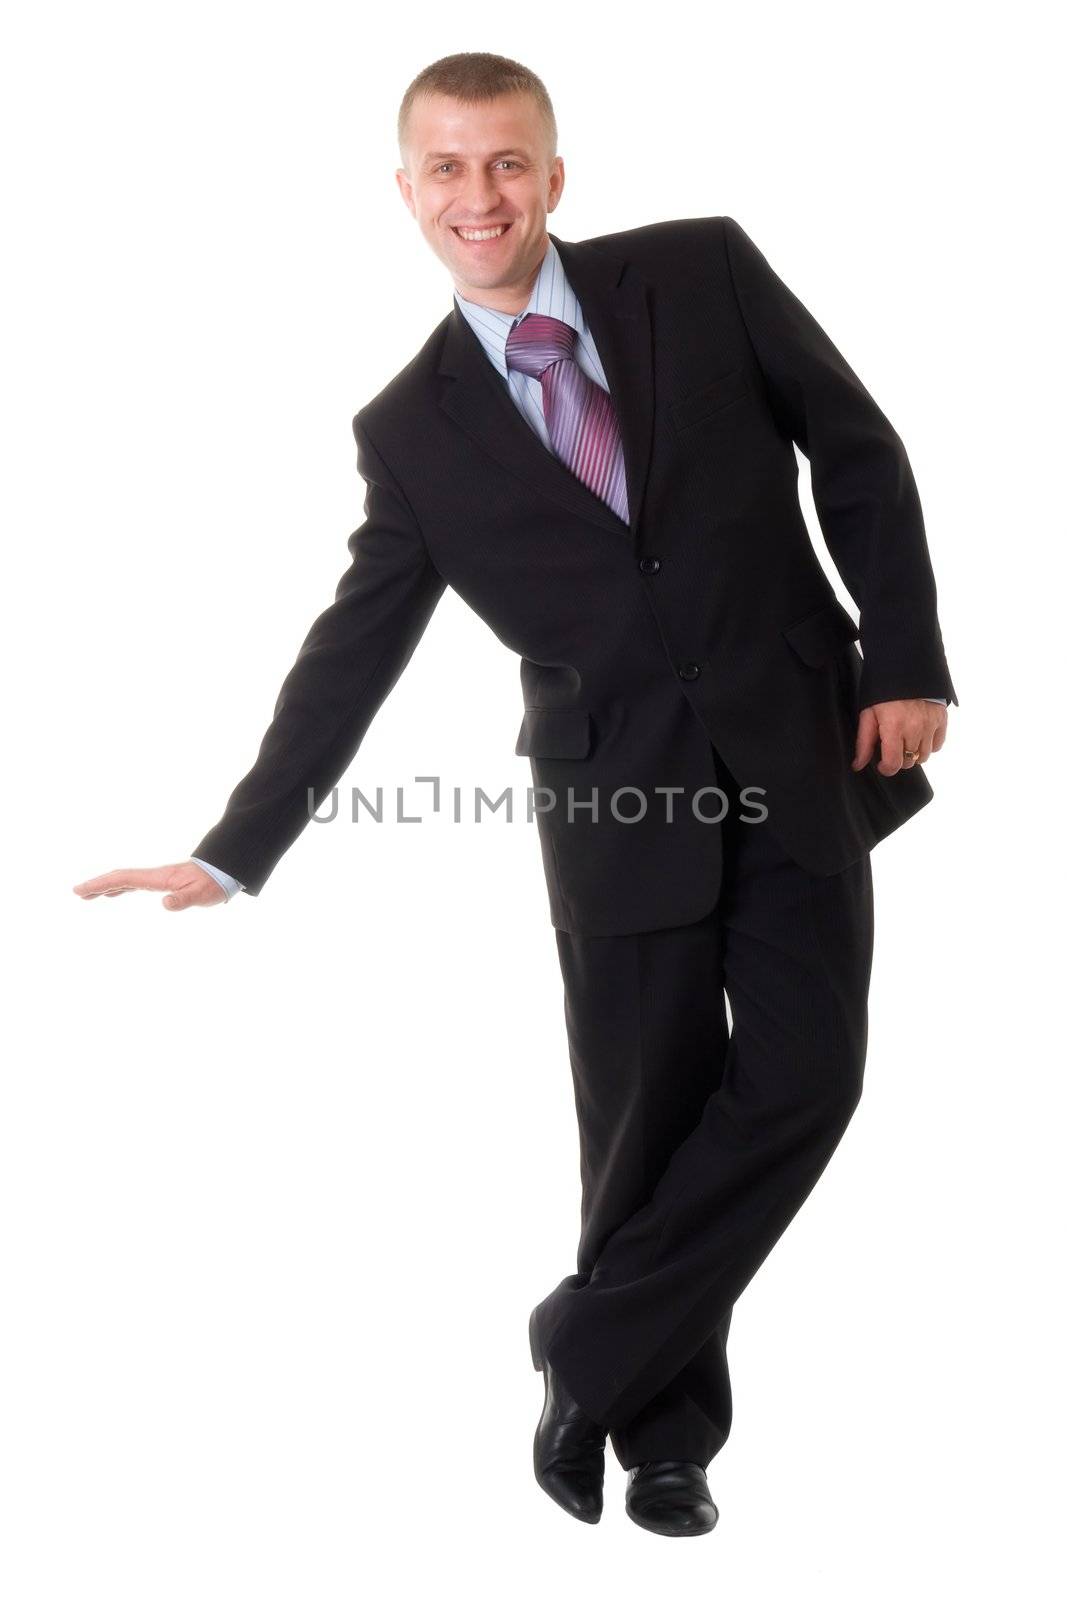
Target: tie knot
[{"x": 536, "y": 342}]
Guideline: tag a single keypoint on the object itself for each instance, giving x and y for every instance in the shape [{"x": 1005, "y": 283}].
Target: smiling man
[{"x": 596, "y": 449}]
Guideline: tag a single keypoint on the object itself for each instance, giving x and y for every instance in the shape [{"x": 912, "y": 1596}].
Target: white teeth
[{"x": 480, "y": 233}]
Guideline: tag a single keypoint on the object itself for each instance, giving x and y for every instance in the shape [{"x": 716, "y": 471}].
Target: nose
[{"x": 480, "y": 196}]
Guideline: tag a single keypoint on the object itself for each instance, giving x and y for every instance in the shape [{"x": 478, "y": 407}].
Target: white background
[{"x": 280, "y": 1182}]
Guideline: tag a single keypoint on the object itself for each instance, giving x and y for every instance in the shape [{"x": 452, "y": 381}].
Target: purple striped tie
[{"x": 582, "y": 426}]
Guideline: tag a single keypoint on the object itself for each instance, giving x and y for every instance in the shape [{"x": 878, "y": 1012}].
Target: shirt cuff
[{"x": 228, "y": 884}]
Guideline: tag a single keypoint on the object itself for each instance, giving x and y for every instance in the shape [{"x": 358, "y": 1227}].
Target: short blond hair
[{"x": 476, "y": 76}]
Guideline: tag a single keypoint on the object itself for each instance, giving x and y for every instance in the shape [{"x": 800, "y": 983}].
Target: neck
[{"x": 510, "y": 298}]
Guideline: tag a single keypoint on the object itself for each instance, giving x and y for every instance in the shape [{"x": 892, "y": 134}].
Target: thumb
[{"x": 179, "y": 900}]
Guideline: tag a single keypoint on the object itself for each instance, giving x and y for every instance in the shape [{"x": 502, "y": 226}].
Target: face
[{"x": 472, "y": 168}]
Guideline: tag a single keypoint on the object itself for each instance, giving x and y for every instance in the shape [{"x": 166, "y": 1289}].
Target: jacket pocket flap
[
  {"x": 554, "y": 731},
  {"x": 821, "y": 634},
  {"x": 712, "y": 397}
]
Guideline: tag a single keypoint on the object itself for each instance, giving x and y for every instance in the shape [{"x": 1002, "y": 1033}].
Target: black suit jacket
[{"x": 706, "y": 624}]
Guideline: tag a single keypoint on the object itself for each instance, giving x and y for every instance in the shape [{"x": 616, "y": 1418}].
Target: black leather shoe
[
  {"x": 670, "y": 1497},
  {"x": 568, "y": 1448}
]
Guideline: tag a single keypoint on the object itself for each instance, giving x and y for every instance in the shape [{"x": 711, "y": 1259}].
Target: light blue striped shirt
[{"x": 552, "y": 296}]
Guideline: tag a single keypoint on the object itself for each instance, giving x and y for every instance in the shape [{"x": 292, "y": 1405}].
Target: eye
[{"x": 505, "y": 161}]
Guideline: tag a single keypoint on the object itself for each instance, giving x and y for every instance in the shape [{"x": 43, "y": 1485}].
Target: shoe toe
[
  {"x": 669, "y": 1518},
  {"x": 671, "y": 1497},
  {"x": 584, "y": 1501}
]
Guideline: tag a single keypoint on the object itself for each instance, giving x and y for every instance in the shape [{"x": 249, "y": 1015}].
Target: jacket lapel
[{"x": 615, "y": 303}]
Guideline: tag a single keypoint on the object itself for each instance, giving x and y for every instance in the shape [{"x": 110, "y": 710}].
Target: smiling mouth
[{"x": 483, "y": 235}]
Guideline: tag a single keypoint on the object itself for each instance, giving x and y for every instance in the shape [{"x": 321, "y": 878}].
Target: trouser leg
[
  {"x": 648, "y": 1035},
  {"x": 796, "y": 954}
]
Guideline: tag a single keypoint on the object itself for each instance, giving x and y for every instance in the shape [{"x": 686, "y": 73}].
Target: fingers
[
  {"x": 123, "y": 878},
  {"x": 926, "y": 735},
  {"x": 924, "y": 747},
  {"x": 866, "y": 738},
  {"x": 918, "y": 726},
  {"x": 184, "y": 885}
]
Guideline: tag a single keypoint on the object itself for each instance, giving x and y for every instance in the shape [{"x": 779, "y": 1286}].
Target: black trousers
[{"x": 700, "y": 1140}]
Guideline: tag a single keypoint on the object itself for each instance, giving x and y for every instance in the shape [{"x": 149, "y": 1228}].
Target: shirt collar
[{"x": 551, "y": 296}]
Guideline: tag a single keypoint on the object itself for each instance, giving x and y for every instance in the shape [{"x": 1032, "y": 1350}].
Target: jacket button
[
  {"x": 649, "y": 564},
  {"x": 689, "y": 671}
]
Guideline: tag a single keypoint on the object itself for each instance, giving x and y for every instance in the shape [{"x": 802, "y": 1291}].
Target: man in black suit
[{"x": 595, "y": 449}]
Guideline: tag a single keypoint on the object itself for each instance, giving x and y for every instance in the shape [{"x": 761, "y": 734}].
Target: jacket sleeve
[
  {"x": 350, "y": 660},
  {"x": 862, "y": 483}
]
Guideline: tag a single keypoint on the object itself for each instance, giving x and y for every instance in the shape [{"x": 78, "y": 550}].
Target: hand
[
  {"x": 899, "y": 725},
  {"x": 186, "y": 885}
]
